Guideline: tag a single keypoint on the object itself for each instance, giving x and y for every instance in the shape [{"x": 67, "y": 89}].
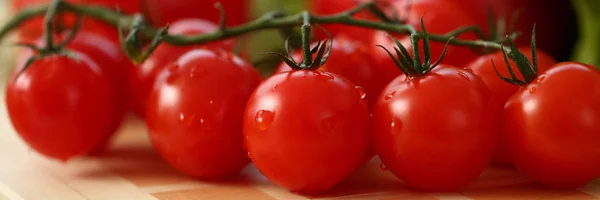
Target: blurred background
[{"x": 584, "y": 39}]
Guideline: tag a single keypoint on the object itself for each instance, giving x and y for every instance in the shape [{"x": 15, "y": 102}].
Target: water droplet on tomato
[
  {"x": 249, "y": 156},
  {"x": 361, "y": 92},
  {"x": 383, "y": 167},
  {"x": 211, "y": 102},
  {"x": 263, "y": 119},
  {"x": 186, "y": 120},
  {"x": 532, "y": 90},
  {"x": 464, "y": 76},
  {"x": 325, "y": 76},
  {"x": 540, "y": 79},
  {"x": 390, "y": 94},
  {"x": 327, "y": 124},
  {"x": 196, "y": 72},
  {"x": 396, "y": 126}
]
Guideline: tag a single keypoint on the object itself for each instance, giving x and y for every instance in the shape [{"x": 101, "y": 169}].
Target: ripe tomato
[
  {"x": 351, "y": 60},
  {"x": 502, "y": 90},
  {"x": 162, "y": 12},
  {"x": 328, "y": 7},
  {"x": 439, "y": 18},
  {"x": 557, "y": 15},
  {"x": 33, "y": 29},
  {"x": 307, "y": 130},
  {"x": 435, "y": 132},
  {"x": 552, "y": 126},
  {"x": 60, "y": 106},
  {"x": 144, "y": 76},
  {"x": 195, "y": 116}
]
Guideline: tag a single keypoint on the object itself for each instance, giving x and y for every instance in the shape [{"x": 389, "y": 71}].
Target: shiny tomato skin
[
  {"x": 501, "y": 90},
  {"x": 439, "y": 18},
  {"x": 435, "y": 132},
  {"x": 350, "y": 59},
  {"x": 307, "y": 130},
  {"x": 329, "y": 7},
  {"x": 552, "y": 126},
  {"x": 144, "y": 77},
  {"x": 162, "y": 12},
  {"x": 33, "y": 29},
  {"x": 195, "y": 116},
  {"x": 62, "y": 107}
]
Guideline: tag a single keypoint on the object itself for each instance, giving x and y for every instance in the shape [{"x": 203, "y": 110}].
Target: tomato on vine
[
  {"x": 483, "y": 67},
  {"x": 145, "y": 76},
  {"x": 350, "y": 59},
  {"x": 195, "y": 116},
  {"x": 318, "y": 122},
  {"x": 163, "y": 12},
  {"x": 433, "y": 126},
  {"x": 552, "y": 125}
]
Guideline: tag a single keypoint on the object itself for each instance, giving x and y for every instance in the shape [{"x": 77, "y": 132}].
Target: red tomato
[
  {"x": 549, "y": 17},
  {"x": 552, "y": 126},
  {"x": 351, "y": 60},
  {"x": 162, "y": 12},
  {"x": 439, "y": 18},
  {"x": 502, "y": 90},
  {"x": 329, "y": 7},
  {"x": 195, "y": 116},
  {"x": 33, "y": 29},
  {"x": 307, "y": 130},
  {"x": 62, "y": 107},
  {"x": 144, "y": 76},
  {"x": 435, "y": 132}
]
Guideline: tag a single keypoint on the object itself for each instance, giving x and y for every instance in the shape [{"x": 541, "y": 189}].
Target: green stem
[
  {"x": 269, "y": 21},
  {"x": 306, "y": 29}
]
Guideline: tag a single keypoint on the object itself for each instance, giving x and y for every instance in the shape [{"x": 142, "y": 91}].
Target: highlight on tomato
[
  {"x": 145, "y": 76},
  {"x": 307, "y": 130},
  {"x": 432, "y": 126},
  {"x": 552, "y": 125},
  {"x": 195, "y": 116},
  {"x": 501, "y": 90}
]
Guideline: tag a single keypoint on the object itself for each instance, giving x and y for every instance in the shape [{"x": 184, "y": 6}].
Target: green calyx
[
  {"x": 528, "y": 69},
  {"x": 412, "y": 66},
  {"x": 133, "y": 44}
]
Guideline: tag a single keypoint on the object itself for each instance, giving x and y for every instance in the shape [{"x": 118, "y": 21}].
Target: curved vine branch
[{"x": 273, "y": 20}]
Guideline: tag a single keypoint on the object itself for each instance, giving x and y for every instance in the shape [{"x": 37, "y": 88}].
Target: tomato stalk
[
  {"x": 273, "y": 20},
  {"x": 528, "y": 69}
]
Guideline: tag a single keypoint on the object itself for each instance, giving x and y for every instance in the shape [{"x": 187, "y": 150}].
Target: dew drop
[
  {"x": 540, "y": 79},
  {"x": 390, "y": 94},
  {"x": 396, "y": 126},
  {"x": 532, "y": 90},
  {"x": 464, "y": 76},
  {"x": 263, "y": 119},
  {"x": 249, "y": 156},
  {"x": 196, "y": 72},
  {"x": 186, "y": 120},
  {"x": 383, "y": 167},
  {"x": 361, "y": 92},
  {"x": 325, "y": 76}
]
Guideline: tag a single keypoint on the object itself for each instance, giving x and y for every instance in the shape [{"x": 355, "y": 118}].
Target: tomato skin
[
  {"x": 34, "y": 28},
  {"x": 317, "y": 121},
  {"x": 200, "y": 108},
  {"x": 61, "y": 107},
  {"x": 144, "y": 77},
  {"x": 435, "y": 132},
  {"x": 553, "y": 126},
  {"x": 162, "y": 12},
  {"x": 351, "y": 60},
  {"x": 501, "y": 90},
  {"x": 433, "y": 12}
]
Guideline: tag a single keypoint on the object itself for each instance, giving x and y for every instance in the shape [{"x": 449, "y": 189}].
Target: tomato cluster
[{"x": 437, "y": 126}]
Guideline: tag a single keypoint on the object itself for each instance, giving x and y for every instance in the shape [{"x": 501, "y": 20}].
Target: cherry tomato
[
  {"x": 195, "y": 116},
  {"x": 33, "y": 29},
  {"x": 162, "y": 12},
  {"x": 557, "y": 15},
  {"x": 435, "y": 132},
  {"x": 351, "y": 60},
  {"x": 329, "y": 7},
  {"x": 307, "y": 130},
  {"x": 439, "y": 18},
  {"x": 144, "y": 76},
  {"x": 502, "y": 90},
  {"x": 60, "y": 106},
  {"x": 552, "y": 126}
]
